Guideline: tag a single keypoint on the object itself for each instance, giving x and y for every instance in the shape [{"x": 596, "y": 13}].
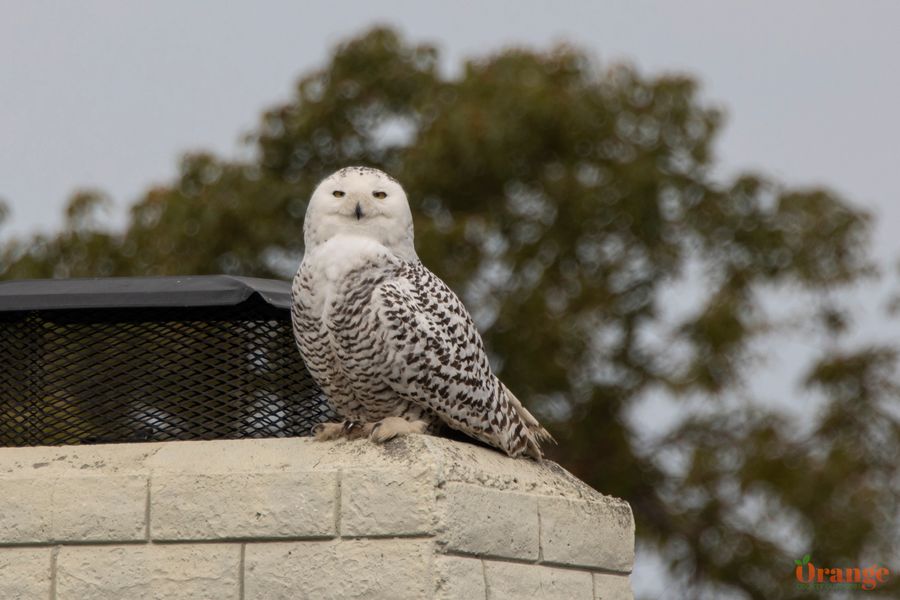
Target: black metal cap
[{"x": 137, "y": 292}]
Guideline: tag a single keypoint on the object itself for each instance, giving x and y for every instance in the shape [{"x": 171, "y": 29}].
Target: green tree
[{"x": 563, "y": 201}]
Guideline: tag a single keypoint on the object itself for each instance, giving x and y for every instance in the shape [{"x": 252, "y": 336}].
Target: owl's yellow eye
[
  {"x": 337, "y": 194},
  {"x": 379, "y": 195}
]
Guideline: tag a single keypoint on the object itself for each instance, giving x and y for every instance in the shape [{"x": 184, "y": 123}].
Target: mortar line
[
  {"x": 540, "y": 535},
  {"x": 388, "y": 536},
  {"x": 241, "y": 572},
  {"x": 220, "y": 540},
  {"x": 487, "y": 589},
  {"x": 53, "y": 554},
  {"x": 147, "y": 512},
  {"x": 337, "y": 504},
  {"x": 525, "y": 561}
]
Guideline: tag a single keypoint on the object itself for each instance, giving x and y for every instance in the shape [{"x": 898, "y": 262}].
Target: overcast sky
[{"x": 109, "y": 94}]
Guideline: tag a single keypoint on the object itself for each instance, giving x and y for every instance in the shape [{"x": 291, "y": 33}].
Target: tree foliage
[{"x": 565, "y": 202}]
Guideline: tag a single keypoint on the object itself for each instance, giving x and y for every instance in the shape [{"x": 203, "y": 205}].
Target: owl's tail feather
[{"x": 536, "y": 432}]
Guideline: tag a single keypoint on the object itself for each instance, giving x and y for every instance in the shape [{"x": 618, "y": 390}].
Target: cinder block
[
  {"x": 24, "y": 573},
  {"x": 514, "y": 581},
  {"x": 381, "y": 502},
  {"x": 243, "y": 505},
  {"x": 589, "y": 534},
  {"x": 459, "y": 578},
  {"x": 487, "y": 522},
  {"x": 25, "y": 509},
  {"x": 100, "y": 508},
  {"x": 612, "y": 587},
  {"x": 382, "y": 569},
  {"x": 149, "y": 572},
  {"x": 90, "y": 509}
]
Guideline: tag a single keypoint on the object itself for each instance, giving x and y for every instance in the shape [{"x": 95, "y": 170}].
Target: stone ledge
[{"x": 434, "y": 513}]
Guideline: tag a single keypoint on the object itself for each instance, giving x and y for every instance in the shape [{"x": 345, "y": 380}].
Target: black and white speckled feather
[{"x": 381, "y": 334}]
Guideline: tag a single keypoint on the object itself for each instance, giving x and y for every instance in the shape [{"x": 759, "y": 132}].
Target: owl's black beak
[{"x": 358, "y": 212}]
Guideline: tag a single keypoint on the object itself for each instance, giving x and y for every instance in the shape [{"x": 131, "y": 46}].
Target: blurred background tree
[{"x": 571, "y": 206}]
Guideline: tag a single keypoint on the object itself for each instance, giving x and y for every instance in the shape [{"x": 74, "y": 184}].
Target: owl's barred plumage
[{"x": 381, "y": 334}]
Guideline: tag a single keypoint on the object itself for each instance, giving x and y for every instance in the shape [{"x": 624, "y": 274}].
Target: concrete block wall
[{"x": 417, "y": 518}]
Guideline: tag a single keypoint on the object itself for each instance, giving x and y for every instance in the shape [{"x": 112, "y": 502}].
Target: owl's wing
[{"x": 436, "y": 358}]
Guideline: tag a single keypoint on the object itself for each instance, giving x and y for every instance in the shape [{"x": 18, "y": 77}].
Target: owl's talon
[{"x": 357, "y": 429}]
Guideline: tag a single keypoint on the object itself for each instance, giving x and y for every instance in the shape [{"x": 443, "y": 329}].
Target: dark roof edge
[{"x": 140, "y": 292}]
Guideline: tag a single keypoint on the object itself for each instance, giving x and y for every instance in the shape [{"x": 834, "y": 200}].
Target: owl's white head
[{"x": 364, "y": 202}]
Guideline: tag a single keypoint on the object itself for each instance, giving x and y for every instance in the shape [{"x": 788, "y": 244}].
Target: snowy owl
[{"x": 391, "y": 346}]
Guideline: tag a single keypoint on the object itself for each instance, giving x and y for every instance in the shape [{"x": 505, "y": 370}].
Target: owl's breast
[{"x": 334, "y": 268}]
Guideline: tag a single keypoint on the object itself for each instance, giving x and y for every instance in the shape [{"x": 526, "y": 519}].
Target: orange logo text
[{"x": 866, "y": 578}]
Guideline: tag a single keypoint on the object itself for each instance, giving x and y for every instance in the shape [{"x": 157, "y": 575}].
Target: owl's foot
[
  {"x": 348, "y": 429},
  {"x": 390, "y": 427}
]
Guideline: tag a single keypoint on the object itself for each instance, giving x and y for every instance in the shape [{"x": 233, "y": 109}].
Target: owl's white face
[{"x": 360, "y": 201}]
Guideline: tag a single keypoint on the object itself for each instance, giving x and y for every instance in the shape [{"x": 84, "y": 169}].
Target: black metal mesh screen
[{"x": 129, "y": 375}]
